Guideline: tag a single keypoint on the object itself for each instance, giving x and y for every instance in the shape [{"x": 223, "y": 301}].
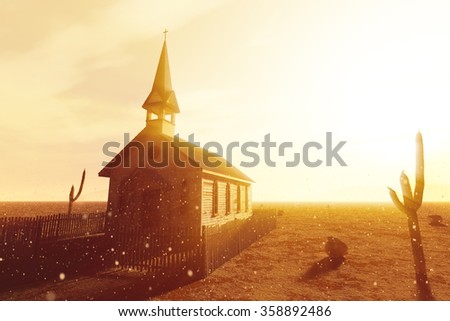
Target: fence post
[
  {"x": 37, "y": 241},
  {"x": 204, "y": 254},
  {"x": 57, "y": 226}
]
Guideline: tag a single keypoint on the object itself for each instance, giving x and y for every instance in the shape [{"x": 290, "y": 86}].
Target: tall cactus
[
  {"x": 72, "y": 199},
  {"x": 411, "y": 203}
]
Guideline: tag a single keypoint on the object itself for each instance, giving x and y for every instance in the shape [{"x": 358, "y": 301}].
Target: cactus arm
[
  {"x": 69, "y": 211},
  {"x": 72, "y": 199},
  {"x": 71, "y": 193},
  {"x": 420, "y": 168},
  {"x": 81, "y": 186},
  {"x": 408, "y": 199},
  {"x": 396, "y": 200},
  {"x": 406, "y": 186}
]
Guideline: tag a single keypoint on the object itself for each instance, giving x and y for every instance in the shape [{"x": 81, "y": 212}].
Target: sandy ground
[
  {"x": 107, "y": 285},
  {"x": 378, "y": 265}
]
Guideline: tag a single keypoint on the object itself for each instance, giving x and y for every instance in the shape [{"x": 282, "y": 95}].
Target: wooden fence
[
  {"x": 222, "y": 242},
  {"x": 172, "y": 256},
  {"x": 50, "y": 228},
  {"x": 181, "y": 251},
  {"x": 159, "y": 251},
  {"x": 33, "y": 246}
]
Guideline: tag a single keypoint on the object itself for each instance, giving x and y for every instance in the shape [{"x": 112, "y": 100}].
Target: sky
[{"x": 75, "y": 74}]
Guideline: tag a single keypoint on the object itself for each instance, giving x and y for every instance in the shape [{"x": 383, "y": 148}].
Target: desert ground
[{"x": 378, "y": 265}]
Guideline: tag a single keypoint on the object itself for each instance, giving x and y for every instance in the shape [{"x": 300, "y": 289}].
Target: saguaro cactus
[
  {"x": 72, "y": 199},
  {"x": 411, "y": 203}
]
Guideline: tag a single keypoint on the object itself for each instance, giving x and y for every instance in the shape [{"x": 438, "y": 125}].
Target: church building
[{"x": 160, "y": 180}]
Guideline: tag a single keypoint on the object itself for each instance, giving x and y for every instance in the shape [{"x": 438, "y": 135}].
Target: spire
[{"x": 161, "y": 99}]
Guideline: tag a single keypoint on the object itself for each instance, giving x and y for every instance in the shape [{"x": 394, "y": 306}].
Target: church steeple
[{"x": 161, "y": 104}]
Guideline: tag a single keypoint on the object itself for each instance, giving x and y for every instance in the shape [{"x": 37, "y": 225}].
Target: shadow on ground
[
  {"x": 112, "y": 285},
  {"x": 322, "y": 267}
]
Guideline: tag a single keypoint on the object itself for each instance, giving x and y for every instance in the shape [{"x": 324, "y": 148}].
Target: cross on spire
[{"x": 165, "y": 34}]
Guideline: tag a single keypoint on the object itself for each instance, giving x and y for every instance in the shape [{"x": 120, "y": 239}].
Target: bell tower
[{"x": 161, "y": 104}]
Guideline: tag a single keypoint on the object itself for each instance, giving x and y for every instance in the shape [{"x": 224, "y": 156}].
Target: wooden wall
[
  {"x": 214, "y": 201},
  {"x": 168, "y": 196}
]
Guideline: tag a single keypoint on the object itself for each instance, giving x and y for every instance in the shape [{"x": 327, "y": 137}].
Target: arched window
[
  {"x": 246, "y": 198},
  {"x": 215, "y": 199},
  {"x": 228, "y": 199},
  {"x": 239, "y": 199},
  {"x": 207, "y": 197}
]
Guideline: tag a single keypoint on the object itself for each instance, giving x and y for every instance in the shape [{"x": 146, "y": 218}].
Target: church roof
[{"x": 224, "y": 169}]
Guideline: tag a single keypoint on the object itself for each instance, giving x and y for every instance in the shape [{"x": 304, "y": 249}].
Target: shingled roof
[{"x": 225, "y": 168}]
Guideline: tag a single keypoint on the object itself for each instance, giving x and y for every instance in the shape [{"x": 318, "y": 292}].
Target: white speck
[
  {"x": 116, "y": 262},
  {"x": 375, "y": 283},
  {"x": 1, "y": 259},
  {"x": 190, "y": 273},
  {"x": 147, "y": 245},
  {"x": 169, "y": 249},
  {"x": 123, "y": 253},
  {"x": 50, "y": 296},
  {"x": 197, "y": 207},
  {"x": 62, "y": 276}
]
